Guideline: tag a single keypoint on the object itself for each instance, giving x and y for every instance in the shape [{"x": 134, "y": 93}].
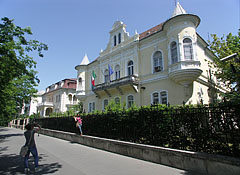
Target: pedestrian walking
[
  {"x": 31, "y": 129},
  {"x": 78, "y": 121}
]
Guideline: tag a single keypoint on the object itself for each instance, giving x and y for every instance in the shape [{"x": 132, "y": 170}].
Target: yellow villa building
[{"x": 165, "y": 64}]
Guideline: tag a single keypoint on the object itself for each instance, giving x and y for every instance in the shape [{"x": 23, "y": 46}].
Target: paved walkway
[{"x": 66, "y": 158}]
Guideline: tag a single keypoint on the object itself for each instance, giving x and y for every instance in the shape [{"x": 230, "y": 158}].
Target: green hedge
[{"x": 214, "y": 129}]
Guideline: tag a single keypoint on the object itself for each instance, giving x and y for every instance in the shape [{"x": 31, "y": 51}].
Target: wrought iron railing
[
  {"x": 211, "y": 129},
  {"x": 132, "y": 79}
]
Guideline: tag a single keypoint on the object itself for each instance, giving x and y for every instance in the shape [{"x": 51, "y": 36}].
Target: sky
[{"x": 73, "y": 28}]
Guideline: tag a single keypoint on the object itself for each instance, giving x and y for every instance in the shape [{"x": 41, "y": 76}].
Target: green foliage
[
  {"x": 78, "y": 108},
  {"x": 212, "y": 129},
  {"x": 18, "y": 78},
  {"x": 34, "y": 115},
  {"x": 223, "y": 47},
  {"x": 114, "y": 107}
]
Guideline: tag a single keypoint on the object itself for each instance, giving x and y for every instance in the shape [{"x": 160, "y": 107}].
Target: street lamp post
[{"x": 237, "y": 59}]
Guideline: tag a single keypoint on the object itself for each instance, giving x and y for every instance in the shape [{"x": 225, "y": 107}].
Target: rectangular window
[
  {"x": 130, "y": 101},
  {"x": 117, "y": 100},
  {"x": 90, "y": 107},
  {"x": 163, "y": 95},
  {"x": 117, "y": 75},
  {"x": 155, "y": 98},
  {"x": 105, "y": 104},
  {"x": 93, "y": 106},
  {"x": 115, "y": 40},
  {"x": 188, "y": 52}
]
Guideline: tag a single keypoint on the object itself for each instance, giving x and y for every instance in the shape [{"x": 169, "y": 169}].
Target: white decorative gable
[{"x": 118, "y": 34}]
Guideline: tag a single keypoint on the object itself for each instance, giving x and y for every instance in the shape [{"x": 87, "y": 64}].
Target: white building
[
  {"x": 58, "y": 97},
  {"x": 34, "y": 102}
]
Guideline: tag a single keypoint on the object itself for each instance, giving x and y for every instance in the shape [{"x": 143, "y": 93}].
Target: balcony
[
  {"x": 45, "y": 104},
  {"x": 81, "y": 95},
  {"x": 131, "y": 81},
  {"x": 185, "y": 72}
]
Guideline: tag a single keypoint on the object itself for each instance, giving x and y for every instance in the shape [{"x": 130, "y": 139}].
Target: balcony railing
[
  {"x": 189, "y": 64},
  {"x": 46, "y": 103},
  {"x": 185, "y": 72},
  {"x": 131, "y": 80}
]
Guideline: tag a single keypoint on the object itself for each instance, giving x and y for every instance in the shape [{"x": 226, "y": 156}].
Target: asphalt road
[{"x": 62, "y": 157}]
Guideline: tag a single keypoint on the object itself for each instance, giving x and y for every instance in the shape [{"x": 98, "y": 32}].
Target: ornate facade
[{"x": 165, "y": 64}]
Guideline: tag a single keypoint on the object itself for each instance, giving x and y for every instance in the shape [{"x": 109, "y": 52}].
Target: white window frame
[
  {"x": 161, "y": 97},
  {"x": 152, "y": 97},
  {"x": 103, "y": 103},
  {"x": 173, "y": 61},
  {"x": 91, "y": 106},
  {"x": 185, "y": 46},
  {"x": 128, "y": 106},
  {"x": 117, "y": 72},
  {"x": 70, "y": 100},
  {"x": 106, "y": 76},
  {"x": 161, "y": 62},
  {"x": 117, "y": 98},
  {"x": 119, "y": 38},
  {"x": 130, "y": 68}
]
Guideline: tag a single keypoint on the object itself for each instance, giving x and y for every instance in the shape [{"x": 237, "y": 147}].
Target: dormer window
[
  {"x": 119, "y": 38},
  {"x": 115, "y": 40}
]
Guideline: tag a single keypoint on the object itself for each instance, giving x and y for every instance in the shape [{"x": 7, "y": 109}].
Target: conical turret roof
[
  {"x": 85, "y": 60},
  {"x": 178, "y": 10}
]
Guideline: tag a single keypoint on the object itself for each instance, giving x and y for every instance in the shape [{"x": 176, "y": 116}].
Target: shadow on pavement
[
  {"x": 5, "y": 136},
  {"x": 13, "y": 164}
]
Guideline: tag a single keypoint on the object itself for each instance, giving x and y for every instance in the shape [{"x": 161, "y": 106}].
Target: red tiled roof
[
  {"x": 70, "y": 83},
  {"x": 151, "y": 31},
  {"x": 147, "y": 33}
]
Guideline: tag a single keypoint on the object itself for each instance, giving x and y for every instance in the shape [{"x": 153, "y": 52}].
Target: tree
[
  {"x": 18, "y": 77},
  {"x": 227, "y": 71}
]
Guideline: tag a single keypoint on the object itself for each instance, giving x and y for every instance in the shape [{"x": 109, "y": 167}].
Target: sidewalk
[{"x": 63, "y": 157}]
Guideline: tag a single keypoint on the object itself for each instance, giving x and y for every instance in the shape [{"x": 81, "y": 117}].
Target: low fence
[
  {"x": 192, "y": 162},
  {"x": 209, "y": 129},
  {"x": 19, "y": 123}
]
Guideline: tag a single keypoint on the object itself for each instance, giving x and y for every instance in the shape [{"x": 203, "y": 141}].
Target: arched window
[
  {"x": 115, "y": 40},
  {"x": 173, "y": 49},
  {"x": 130, "y": 68},
  {"x": 130, "y": 101},
  {"x": 74, "y": 100},
  {"x": 187, "y": 47},
  {"x": 70, "y": 98},
  {"x": 117, "y": 100},
  {"x": 106, "y": 76},
  {"x": 117, "y": 72},
  {"x": 155, "y": 98},
  {"x": 80, "y": 81},
  {"x": 119, "y": 38},
  {"x": 157, "y": 62}
]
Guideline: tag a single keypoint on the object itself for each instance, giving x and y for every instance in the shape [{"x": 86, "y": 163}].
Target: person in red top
[{"x": 78, "y": 121}]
